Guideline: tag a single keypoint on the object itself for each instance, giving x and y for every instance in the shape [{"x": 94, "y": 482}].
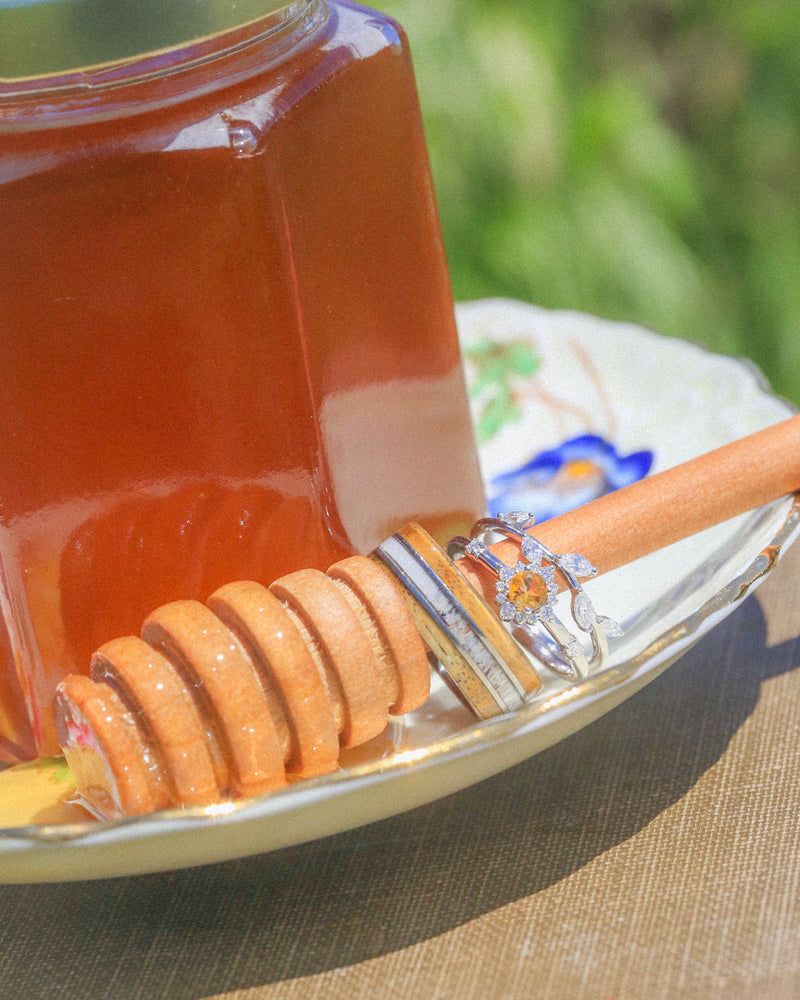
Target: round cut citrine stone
[{"x": 527, "y": 590}]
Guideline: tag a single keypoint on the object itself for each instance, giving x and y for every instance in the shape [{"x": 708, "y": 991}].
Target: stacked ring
[
  {"x": 482, "y": 654},
  {"x": 526, "y": 594},
  {"x": 475, "y": 654}
]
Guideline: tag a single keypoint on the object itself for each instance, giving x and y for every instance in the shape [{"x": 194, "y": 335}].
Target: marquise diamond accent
[
  {"x": 577, "y": 564},
  {"x": 533, "y": 551},
  {"x": 521, "y": 519},
  {"x": 583, "y": 611},
  {"x": 611, "y": 628}
]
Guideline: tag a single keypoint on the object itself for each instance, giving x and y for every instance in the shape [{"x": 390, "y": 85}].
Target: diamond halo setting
[{"x": 526, "y": 592}]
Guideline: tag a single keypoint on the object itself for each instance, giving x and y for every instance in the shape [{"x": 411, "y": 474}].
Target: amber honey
[{"x": 227, "y": 346}]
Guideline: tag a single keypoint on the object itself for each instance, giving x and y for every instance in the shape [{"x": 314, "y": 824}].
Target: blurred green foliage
[{"x": 633, "y": 159}]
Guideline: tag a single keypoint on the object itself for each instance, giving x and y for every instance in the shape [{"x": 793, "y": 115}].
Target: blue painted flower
[{"x": 562, "y": 478}]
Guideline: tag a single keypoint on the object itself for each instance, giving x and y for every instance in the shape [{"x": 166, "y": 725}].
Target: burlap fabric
[{"x": 653, "y": 855}]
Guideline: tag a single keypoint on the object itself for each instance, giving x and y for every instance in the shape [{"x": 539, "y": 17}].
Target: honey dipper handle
[{"x": 668, "y": 506}]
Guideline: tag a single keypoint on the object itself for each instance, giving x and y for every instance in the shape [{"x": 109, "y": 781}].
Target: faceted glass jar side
[{"x": 227, "y": 344}]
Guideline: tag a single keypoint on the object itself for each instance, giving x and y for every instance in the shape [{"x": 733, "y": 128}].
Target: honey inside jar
[{"x": 227, "y": 345}]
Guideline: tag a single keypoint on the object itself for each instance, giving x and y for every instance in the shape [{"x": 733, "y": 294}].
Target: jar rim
[{"x": 56, "y": 45}]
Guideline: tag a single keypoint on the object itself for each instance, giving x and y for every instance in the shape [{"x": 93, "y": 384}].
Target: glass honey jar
[{"x": 227, "y": 344}]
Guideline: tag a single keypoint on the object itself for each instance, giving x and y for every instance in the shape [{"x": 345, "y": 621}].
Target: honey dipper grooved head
[
  {"x": 218, "y": 701},
  {"x": 400, "y": 645},
  {"x": 208, "y": 651},
  {"x": 156, "y": 691},
  {"x": 287, "y": 667},
  {"x": 343, "y": 650},
  {"x": 112, "y": 765}
]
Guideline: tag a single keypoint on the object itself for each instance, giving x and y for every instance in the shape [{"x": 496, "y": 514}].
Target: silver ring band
[{"x": 526, "y": 593}]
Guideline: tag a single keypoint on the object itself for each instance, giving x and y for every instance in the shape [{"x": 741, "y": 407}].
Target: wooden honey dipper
[
  {"x": 227, "y": 699},
  {"x": 224, "y": 700}
]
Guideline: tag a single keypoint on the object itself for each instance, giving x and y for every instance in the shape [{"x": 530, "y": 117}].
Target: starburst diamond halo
[{"x": 526, "y": 591}]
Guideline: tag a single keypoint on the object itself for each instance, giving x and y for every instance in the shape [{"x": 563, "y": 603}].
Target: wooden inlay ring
[{"x": 487, "y": 668}]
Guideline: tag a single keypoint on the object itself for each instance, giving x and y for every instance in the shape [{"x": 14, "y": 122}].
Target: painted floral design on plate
[{"x": 512, "y": 383}]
